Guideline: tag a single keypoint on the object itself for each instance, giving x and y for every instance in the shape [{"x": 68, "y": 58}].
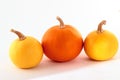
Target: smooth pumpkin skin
[
  {"x": 26, "y": 53},
  {"x": 62, "y": 44},
  {"x": 100, "y": 45}
]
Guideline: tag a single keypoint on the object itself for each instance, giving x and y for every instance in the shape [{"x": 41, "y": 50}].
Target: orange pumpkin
[
  {"x": 62, "y": 42},
  {"x": 101, "y": 44}
]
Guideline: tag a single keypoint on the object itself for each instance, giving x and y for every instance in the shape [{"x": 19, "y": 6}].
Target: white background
[{"x": 34, "y": 17}]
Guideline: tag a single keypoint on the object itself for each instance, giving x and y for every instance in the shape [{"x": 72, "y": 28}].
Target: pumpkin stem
[
  {"x": 103, "y": 22},
  {"x": 61, "y": 22},
  {"x": 19, "y": 34}
]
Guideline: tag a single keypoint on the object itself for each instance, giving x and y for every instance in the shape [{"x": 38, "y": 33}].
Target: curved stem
[
  {"x": 19, "y": 34},
  {"x": 61, "y": 22},
  {"x": 103, "y": 22}
]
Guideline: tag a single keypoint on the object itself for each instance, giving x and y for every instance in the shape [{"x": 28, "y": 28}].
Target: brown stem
[
  {"x": 103, "y": 22},
  {"x": 61, "y": 22},
  {"x": 19, "y": 34}
]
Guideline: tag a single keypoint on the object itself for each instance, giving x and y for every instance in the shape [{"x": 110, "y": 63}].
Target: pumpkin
[
  {"x": 101, "y": 44},
  {"x": 62, "y": 42},
  {"x": 25, "y": 51}
]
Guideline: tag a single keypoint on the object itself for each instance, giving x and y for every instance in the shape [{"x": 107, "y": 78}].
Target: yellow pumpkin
[
  {"x": 26, "y": 51},
  {"x": 101, "y": 44}
]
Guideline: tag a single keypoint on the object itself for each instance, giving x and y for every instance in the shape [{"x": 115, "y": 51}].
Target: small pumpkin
[
  {"x": 62, "y": 42},
  {"x": 25, "y": 51},
  {"x": 101, "y": 44}
]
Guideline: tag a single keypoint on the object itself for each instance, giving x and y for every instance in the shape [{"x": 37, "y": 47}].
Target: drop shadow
[{"x": 49, "y": 67}]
